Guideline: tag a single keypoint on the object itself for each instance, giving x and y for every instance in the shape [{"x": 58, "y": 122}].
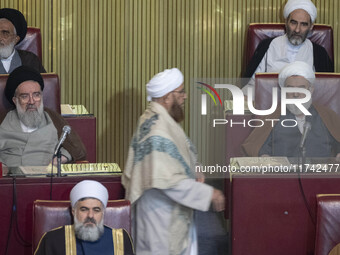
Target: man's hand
[
  {"x": 200, "y": 177},
  {"x": 337, "y": 158},
  {"x": 218, "y": 200},
  {"x": 63, "y": 160}
]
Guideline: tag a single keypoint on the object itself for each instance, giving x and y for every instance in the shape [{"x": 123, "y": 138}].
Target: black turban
[
  {"x": 18, "y": 76},
  {"x": 17, "y": 19}
]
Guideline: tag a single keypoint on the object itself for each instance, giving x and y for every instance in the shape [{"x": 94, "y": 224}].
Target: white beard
[
  {"x": 31, "y": 119},
  {"x": 295, "y": 110},
  {"x": 296, "y": 41},
  {"x": 6, "y": 51},
  {"x": 88, "y": 233}
]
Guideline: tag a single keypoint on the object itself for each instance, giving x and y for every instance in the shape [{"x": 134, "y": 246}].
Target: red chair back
[
  {"x": 48, "y": 214},
  {"x": 31, "y": 42},
  {"x": 321, "y": 34},
  {"x": 327, "y": 223}
]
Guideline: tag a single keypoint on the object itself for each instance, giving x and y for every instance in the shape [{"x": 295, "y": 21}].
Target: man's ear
[
  {"x": 17, "y": 39},
  {"x": 166, "y": 98},
  {"x": 14, "y": 100},
  {"x": 73, "y": 212}
]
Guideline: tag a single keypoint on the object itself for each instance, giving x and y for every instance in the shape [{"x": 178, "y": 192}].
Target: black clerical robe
[{"x": 322, "y": 61}]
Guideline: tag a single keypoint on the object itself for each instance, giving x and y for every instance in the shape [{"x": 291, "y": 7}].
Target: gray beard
[
  {"x": 295, "y": 110},
  {"x": 296, "y": 41},
  {"x": 6, "y": 51},
  {"x": 88, "y": 233},
  {"x": 31, "y": 119}
]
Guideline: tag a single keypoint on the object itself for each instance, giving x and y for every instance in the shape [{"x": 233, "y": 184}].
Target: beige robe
[{"x": 159, "y": 182}]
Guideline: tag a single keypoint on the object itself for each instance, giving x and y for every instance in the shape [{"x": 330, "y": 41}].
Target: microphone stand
[
  {"x": 59, "y": 164},
  {"x": 303, "y": 158},
  {"x": 303, "y": 168}
]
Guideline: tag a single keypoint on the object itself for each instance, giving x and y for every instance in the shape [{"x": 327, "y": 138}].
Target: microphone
[
  {"x": 66, "y": 131},
  {"x": 306, "y": 128}
]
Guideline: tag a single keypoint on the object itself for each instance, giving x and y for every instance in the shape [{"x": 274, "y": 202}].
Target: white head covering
[
  {"x": 306, "y": 5},
  {"x": 297, "y": 68},
  {"x": 164, "y": 82},
  {"x": 89, "y": 188}
]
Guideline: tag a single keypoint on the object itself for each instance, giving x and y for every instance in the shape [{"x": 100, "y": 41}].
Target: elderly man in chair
[
  {"x": 323, "y": 140},
  {"x": 88, "y": 235},
  {"x": 275, "y": 53},
  {"x": 29, "y": 133},
  {"x": 13, "y": 29}
]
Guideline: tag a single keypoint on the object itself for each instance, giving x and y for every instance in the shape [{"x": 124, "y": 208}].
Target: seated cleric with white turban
[
  {"x": 88, "y": 235},
  {"x": 159, "y": 176},
  {"x": 273, "y": 54},
  {"x": 323, "y": 139}
]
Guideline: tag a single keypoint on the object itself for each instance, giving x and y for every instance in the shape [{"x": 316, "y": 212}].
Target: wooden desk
[
  {"x": 269, "y": 216},
  {"x": 30, "y": 189}
]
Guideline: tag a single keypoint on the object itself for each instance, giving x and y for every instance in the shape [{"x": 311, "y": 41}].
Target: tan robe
[
  {"x": 335, "y": 250},
  {"x": 159, "y": 175}
]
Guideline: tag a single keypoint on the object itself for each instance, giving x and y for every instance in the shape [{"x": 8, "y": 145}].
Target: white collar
[
  {"x": 26, "y": 129},
  {"x": 9, "y": 59}
]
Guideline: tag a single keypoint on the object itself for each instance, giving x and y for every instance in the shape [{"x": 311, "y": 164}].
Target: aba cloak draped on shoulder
[
  {"x": 25, "y": 58},
  {"x": 154, "y": 147},
  {"x": 160, "y": 158},
  {"x": 256, "y": 139}
]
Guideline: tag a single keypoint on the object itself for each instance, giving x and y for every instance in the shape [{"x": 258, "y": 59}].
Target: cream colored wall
[{"x": 105, "y": 51}]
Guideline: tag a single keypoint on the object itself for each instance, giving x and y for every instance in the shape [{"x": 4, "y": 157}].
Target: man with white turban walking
[
  {"x": 323, "y": 139},
  {"x": 159, "y": 176},
  {"x": 275, "y": 53},
  {"x": 88, "y": 235}
]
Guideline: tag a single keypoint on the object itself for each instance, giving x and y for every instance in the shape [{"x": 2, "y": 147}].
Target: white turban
[
  {"x": 91, "y": 189},
  {"x": 297, "y": 68},
  {"x": 306, "y": 5},
  {"x": 164, "y": 82}
]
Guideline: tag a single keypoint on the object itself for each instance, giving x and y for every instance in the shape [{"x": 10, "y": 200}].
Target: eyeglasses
[
  {"x": 182, "y": 91},
  {"x": 6, "y": 34},
  {"x": 25, "y": 97}
]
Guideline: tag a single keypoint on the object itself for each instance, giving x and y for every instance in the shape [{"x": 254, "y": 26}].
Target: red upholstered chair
[
  {"x": 327, "y": 223},
  {"x": 326, "y": 90},
  {"x": 321, "y": 34},
  {"x": 32, "y": 42},
  {"x": 51, "y": 93},
  {"x": 48, "y": 215}
]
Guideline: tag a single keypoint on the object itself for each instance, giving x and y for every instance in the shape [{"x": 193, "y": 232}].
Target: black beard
[{"x": 176, "y": 112}]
